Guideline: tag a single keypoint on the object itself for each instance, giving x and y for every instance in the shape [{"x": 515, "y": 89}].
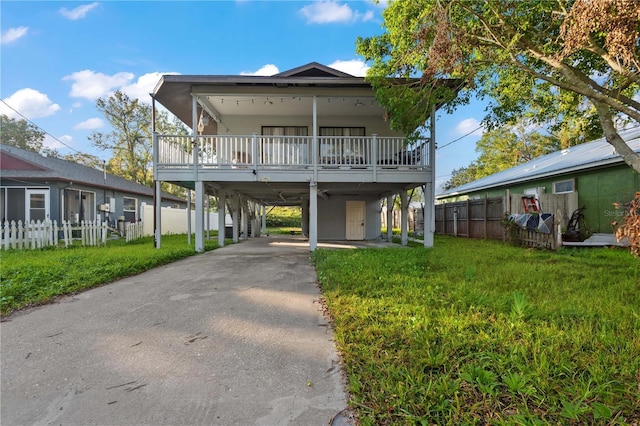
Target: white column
[
  {"x": 404, "y": 221},
  {"x": 313, "y": 216},
  {"x": 245, "y": 220},
  {"x": 222, "y": 213},
  {"x": 158, "y": 214},
  {"x": 236, "y": 218},
  {"x": 188, "y": 216},
  {"x": 429, "y": 189},
  {"x": 390, "y": 218},
  {"x": 208, "y": 216},
  {"x": 264, "y": 220},
  {"x": 199, "y": 216}
]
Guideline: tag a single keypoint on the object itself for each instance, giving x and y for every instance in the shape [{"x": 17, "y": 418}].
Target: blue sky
[{"x": 57, "y": 58}]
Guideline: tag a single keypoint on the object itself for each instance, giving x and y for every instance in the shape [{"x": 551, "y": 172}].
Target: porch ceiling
[
  {"x": 293, "y": 193},
  {"x": 276, "y": 95}
]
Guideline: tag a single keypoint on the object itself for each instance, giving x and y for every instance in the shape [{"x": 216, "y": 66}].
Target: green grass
[
  {"x": 478, "y": 332},
  {"x": 32, "y": 277},
  {"x": 284, "y": 217}
]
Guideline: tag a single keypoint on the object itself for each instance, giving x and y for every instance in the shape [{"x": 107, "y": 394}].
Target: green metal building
[{"x": 593, "y": 170}]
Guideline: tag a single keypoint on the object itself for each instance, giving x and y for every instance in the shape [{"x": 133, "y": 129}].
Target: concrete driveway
[{"x": 235, "y": 336}]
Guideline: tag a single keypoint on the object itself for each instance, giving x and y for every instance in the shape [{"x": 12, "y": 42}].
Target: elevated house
[
  {"x": 312, "y": 136},
  {"x": 35, "y": 187},
  {"x": 591, "y": 175}
]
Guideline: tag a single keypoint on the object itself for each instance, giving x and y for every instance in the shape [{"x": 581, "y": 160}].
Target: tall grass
[
  {"x": 476, "y": 332},
  {"x": 31, "y": 277}
]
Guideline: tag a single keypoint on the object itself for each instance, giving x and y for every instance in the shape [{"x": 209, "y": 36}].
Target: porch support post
[
  {"x": 404, "y": 201},
  {"x": 245, "y": 219},
  {"x": 390, "y": 218},
  {"x": 305, "y": 217},
  {"x": 188, "y": 216},
  {"x": 314, "y": 144},
  {"x": 157, "y": 188},
  {"x": 158, "y": 215},
  {"x": 236, "y": 218},
  {"x": 199, "y": 216},
  {"x": 313, "y": 216},
  {"x": 254, "y": 225},
  {"x": 264, "y": 220},
  {"x": 429, "y": 190},
  {"x": 222, "y": 213},
  {"x": 208, "y": 216}
]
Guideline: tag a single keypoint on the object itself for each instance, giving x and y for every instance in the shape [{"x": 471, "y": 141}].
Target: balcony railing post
[
  {"x": 374, "y": 156},
  {"x": 254, "y": 153}
]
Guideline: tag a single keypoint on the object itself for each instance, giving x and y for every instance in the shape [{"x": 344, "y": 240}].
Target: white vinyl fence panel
[{"x": 174, "y": 221}]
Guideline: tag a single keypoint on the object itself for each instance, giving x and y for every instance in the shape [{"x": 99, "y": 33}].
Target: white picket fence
[
  {"x": 134, "y": 230},
  {"x": 33, "y": 235}
]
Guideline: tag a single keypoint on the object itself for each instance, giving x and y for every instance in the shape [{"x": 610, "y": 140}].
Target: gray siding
[{"x": 332, "y": 216}]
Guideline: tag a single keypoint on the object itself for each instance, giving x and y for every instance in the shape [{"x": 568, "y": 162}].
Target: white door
[
  {"x": 37, "y": 205},
  {"x": 355, "y": 220}
]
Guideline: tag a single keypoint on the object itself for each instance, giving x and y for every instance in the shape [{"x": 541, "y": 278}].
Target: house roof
[
  {"x": 595, "y": 154},
  {"x": 285, "y": 94},
  {"x": 20, "y": 164}
]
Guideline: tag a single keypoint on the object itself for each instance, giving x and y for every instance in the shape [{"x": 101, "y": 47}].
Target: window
[
  {"x": 342, "y": 145},
  {"x": 79, "y": 205},
  {"x": 130, "y": 209},
  {"x": 289, "y": 149},
  {"x": 564, "y": 186}
]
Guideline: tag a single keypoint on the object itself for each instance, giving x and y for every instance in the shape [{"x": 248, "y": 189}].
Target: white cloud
[
  {"x": 13, "y": 34},
  {"x": 93, "y": 85},
  {"x": 78, "y": 12},
  {"x": 265, "y": 70},
  {"x": 354, "y": 67},
  {"x": 325, "y": 12},
  {"x": 30, "y": 103},
  {"x": 90, "y": 124},
  {"x": 468, "y": 126},
  {"x": 143, "y": 86},
  {"x": 55, "y": 143}
]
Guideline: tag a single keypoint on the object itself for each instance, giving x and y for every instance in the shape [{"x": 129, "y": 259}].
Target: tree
[
  {"x": 21, "y": 134},
  {"x": 504, "y": 148},
  {"x": 130, "y": 138},
  {"x": 553, "y": 58},
  {"x": 84, "y": 159}
]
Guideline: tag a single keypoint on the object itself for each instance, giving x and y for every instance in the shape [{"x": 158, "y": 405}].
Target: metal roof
[
  {"x": 588, "y": 155},
  {"x": 51, "y": 168}
]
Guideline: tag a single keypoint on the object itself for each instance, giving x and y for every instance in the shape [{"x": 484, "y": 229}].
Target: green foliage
[
  {"x": 478, "y": 332},
  {"x": 37, "y": 276},
  {"x": 20, "y": 133},
  {"x": 556, "y": 61},
  {"x": 284, "y": 217},
  {"x": 130, "y": 139}
]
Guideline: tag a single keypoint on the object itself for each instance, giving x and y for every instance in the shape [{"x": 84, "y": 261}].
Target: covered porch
[{"x": 312, "y": 137}]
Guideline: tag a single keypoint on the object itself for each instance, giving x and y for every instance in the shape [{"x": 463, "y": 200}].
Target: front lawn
[
  {"x": 478, "y": 332},
  {"x": 31, "y": 277}
]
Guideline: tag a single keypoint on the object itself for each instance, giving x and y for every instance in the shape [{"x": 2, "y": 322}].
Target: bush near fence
[{"x": 40, "y": 234}]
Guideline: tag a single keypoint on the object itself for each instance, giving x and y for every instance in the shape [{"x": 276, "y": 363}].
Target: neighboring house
[
  {"x": 312, "y": 136},
  {"x": 34, "y": 187},
  {"x": 593, "y": 171}
]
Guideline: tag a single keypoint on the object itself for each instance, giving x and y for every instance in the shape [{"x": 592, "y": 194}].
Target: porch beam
[
  {"x": 390, "y": 218},
  {"x": 222, "y": 213},
  {"x": 199, "y": 216},
  {"x": 429, "y": 190},
  {"x": 404, "y": 221},
  {"x": 313, "y": 216}
]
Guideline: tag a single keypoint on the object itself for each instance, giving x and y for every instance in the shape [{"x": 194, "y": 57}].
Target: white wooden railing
[
  {"x": 291, "y": 151},
  {"x": 39, "y": 234}
]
